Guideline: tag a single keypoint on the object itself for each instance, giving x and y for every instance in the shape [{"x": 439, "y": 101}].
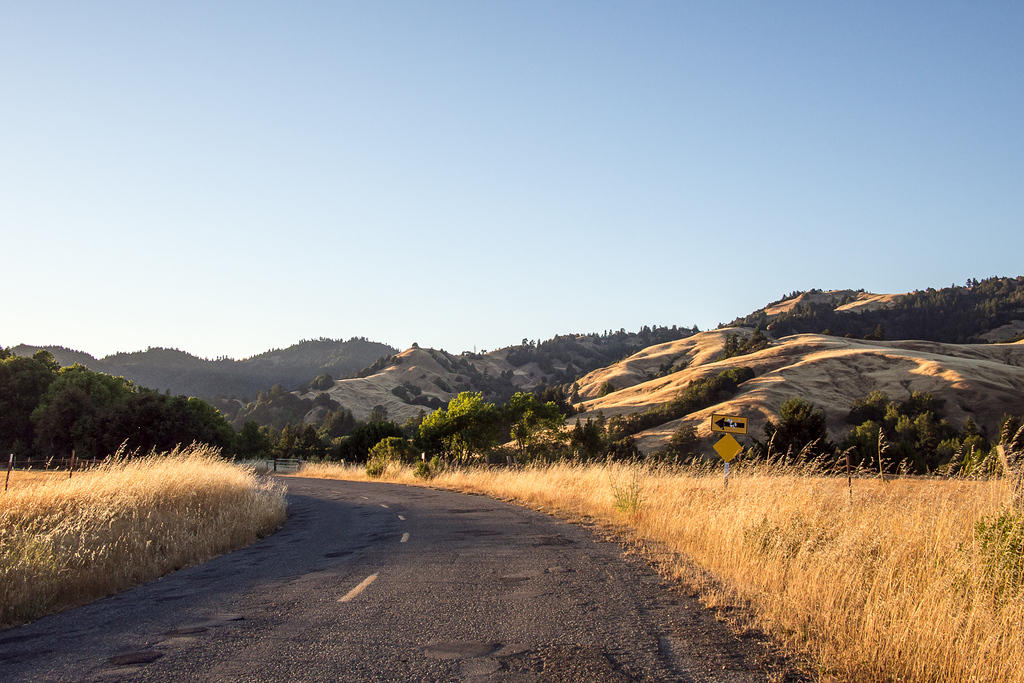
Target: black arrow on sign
[{"x": 724, "y": 422}]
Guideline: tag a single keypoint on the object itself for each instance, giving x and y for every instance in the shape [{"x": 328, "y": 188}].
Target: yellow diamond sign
[{"x": 728, "y": 447}]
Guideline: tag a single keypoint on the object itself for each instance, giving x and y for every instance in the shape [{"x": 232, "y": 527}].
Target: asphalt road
[{"x": 369, "y": 582}]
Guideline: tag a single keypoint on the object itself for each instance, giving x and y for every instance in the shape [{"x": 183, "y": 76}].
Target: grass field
[
  {"x": 897, "y": 584},
  {"x": 23, "y": 478},
  {"x": 67, "y": 541}
]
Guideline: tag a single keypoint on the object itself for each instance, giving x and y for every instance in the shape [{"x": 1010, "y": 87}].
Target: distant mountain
[
  {"x": 990, "y": 310},
  {"x": 182, "y": 373}
]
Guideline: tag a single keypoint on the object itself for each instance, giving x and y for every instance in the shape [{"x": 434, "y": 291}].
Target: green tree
[
  {"x": 682, "y": 444},
  {"x": 395, "y": 449},
  {"x": 252, "y": 442},
  {"x": 23, "y": 381},
  {"x": 356, "y": 446},
  {"x": 466, "y": 427},
  {"x": 800, "y": 423},
  {"x": 530, "y": 419},
  {"x": 587, "y": 440},
  {"x": 71, "y": 413}
]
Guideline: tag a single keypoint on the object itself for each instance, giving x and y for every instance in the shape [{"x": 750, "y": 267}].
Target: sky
[{"x": 230, "y": 177}]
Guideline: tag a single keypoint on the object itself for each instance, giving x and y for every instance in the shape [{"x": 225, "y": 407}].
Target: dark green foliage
[
  {"x": 870, "y": 408},
  {"x": 356, "y": 446},
  {"x": 623, "y": 449},
  {"x": 23, "y": 381},
  {"x": 321, "y": 383},
  {"x": 682, "y": 446},
  {"x": 395, "y": 449},
  {"x": 530, "y": 421},
  {"x": 605, "y": 389},
  {"x": 337, "y": 423},
  {"x": 587, "y": 440},
  {"x": 390, "y": 450},
  {"x": 914, "y": 437},
  {"x": 49, "y": 412},
  {"x": 800, "y": 425},
  {"x": 252, "y": 442},
  {"x": 1000, "y": 541},
  {"x": 737, "y": 345},
  {"x": 467, "y": 427}
]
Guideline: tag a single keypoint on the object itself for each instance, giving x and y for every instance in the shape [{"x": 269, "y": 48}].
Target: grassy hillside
[
  {"x": 978, "y": 381},
  {"x": 421, "y": 379}
]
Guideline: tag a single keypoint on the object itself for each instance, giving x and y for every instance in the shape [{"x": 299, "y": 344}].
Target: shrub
[
  {"x": 1000, "y": 541},
  {"x": 394, "y": 449},
  {"x": 375, "y": 467}
]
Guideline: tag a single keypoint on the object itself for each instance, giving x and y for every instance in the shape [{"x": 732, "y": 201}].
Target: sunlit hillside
[{"x": 981, "y": 381}]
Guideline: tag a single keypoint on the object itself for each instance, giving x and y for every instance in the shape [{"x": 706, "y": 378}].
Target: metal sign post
[{"x": 728, "y": 447}]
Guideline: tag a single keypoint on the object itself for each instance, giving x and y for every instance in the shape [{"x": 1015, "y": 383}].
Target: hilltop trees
[{"x": 953, "y": 314}]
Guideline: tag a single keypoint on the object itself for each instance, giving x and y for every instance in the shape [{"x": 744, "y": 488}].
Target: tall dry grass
[
  {"x": 72, "y": 540},
  {"x": 893, "y": 585}
]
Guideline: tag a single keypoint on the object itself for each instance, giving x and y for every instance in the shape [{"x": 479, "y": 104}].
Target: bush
[
  {"x": 322, "y": 383},
  {"x": 375, "y": 466},
  {"x": 429, "y": 469},
  {"x": 422, "y": 470},
  {"x": 394, "y": 449},
  {"x": 1001, "y": 545},
  {"x": 800, "y": 423}
]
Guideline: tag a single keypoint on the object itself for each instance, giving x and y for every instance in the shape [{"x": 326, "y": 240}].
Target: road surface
[{"x": 370, "y": 582}]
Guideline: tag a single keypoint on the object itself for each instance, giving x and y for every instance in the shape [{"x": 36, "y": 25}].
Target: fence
[
  {"x": 280, "y": 465},
  {"x": 54, "y": 463}
]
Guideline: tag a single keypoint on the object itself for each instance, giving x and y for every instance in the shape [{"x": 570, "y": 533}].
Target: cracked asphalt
[{"x": 381, "y": 582}]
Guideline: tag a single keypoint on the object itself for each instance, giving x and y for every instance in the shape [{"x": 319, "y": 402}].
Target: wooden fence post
[
  {"x": 71, "y": 467},
  {"x": 10, "y": 466},
  {"x": 849, "y": 478}
]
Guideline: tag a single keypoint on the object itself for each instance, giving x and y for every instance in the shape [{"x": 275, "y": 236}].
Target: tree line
[
  {"x": 886, "y": 435},
  {"x": 48, "y": 411}
]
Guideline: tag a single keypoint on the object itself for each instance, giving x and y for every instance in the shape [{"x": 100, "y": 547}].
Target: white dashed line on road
[
  {"x": 358, "y": 589},
  {"x": 405, "y": 537},
  {"x": 383, "y": 505},
  {"x": 401, "y": 517}
]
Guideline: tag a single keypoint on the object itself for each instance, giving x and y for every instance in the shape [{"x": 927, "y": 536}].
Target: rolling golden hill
[{"x": 983, "y": 381}]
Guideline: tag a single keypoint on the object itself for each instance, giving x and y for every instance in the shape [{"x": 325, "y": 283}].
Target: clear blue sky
[{"x": 229, "y": 177}]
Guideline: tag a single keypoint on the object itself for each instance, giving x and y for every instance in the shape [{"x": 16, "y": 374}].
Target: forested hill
[
  {"x": 182, "y": 373},
  {"x": 990, "y": 310}
]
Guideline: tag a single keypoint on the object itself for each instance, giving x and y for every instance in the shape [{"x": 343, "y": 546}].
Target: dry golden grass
[
  {"x": 73, "y": 540},
  {"x": 891, "y": 586},
  {"x": 24, "y": 478}
]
